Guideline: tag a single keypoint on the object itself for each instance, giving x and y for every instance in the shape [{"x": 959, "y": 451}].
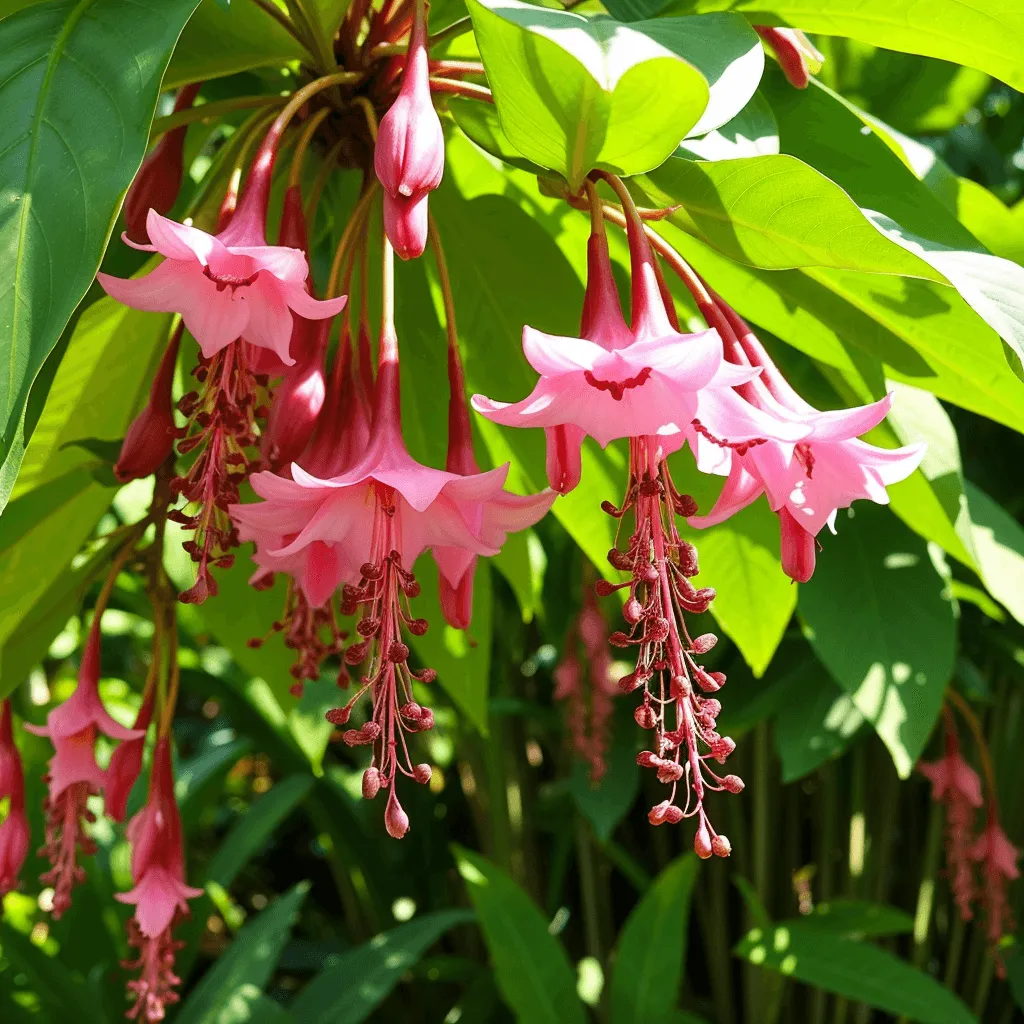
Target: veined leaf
[
  {"x": 875, "y": 580},
  {"x": 856, "y": 918},
  {"x": 856, "y": 970},
  {"x": 355, "y": 983},
  {"x": 999, "y": 542},
  {"x": 71, "y": 72},
  {"x": 530, "y": 965},
  {"x": 574, "y": 93},
  {"x": 651, "y": 952},
  {"x": 983, "y": 34}
]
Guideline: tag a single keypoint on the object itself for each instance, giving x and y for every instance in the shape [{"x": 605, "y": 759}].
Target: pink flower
[
  {"x": 998, "y": 858},
  {"x": 956, "y": 784},
  {"x": 225, "y": 286},
  {"x": 809, "y": 480},
  {"x": 160, "y": 894},
  {"x": 409, "y": 154},
  {"x": 150, "y": 438},
  {"x": 73, "y": 772},
  {"x": 126, "y": 763},
  {"x": 158, "y": 181},
  {"x": 14, "y": 832}
]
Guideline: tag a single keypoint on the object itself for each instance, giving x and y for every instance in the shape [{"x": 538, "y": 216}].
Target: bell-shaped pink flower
[
  {"x": 158, "y": 181},
  {"x": 809, "y": 480},
  {"x": 126, "y": 763},
  {"x": 409, "y": 153},
  {"x": 73, "y": 773},
  {"x": 229, "y": 285},
  {"x": 150, "y": 438},
  {"x": 14, "y": 831},
  {"x": 160, "y": 894},
  {"x": 614, "y": 381}
]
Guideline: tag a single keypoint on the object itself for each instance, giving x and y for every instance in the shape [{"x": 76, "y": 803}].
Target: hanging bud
[
  {"x": 409, "y": 153},
  {"x": 797, "y": 547},
  {"x": 396, "y": 821},
  {"x": 158, "y": 181},
  {"x": 371, "y": 783},
  {"x": 457, "y": 601},
  {"x": 797, "y": 55},
  {"x": 126, "y": 763},
  {"x": 150, "y": 438},
  {"x": 14, "y": 832}
]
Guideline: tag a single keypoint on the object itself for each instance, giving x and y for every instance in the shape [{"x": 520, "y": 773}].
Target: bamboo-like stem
[{"x": 588, "y": 891}]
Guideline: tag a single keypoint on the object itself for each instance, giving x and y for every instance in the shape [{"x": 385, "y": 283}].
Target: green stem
[
  {"x": 209, "y": 111},
  {"x": 926, "y": 891},
  {"x": 588, "y": 891},
  {"x": 956, "y": 948},
  {"x": 710, "y": 915},
  {"x": 826, "y": 863}
]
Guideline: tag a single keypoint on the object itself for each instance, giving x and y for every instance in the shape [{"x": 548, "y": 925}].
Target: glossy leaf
[
  {"x": 777, "y": 213},
  {"x": 530, "y": 965},
  {"x": 356, "y": 982},
  {"x": 651, "y": 954},
  {"x": 875, "y": 580},
  {"x": 575, "y": 93},
  {"x": 983, "y": 34},
  {"x": 752, "y": 132},
  {"x": 72, "y": 72},
  {"x": 856, "y": 970},
  {"x": 999, "y": 543},
  {"x": 247, "y": 964},
  {"x": 857, "y": 918}
]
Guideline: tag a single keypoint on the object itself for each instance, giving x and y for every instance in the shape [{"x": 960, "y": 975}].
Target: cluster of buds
[{"x": 957, "y": 786}]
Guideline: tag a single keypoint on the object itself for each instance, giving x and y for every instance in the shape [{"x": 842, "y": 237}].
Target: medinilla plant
[{"x": 381, "y": 369}]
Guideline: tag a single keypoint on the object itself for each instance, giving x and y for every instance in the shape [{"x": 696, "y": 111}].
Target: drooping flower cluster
[
  {"x": 588, "y": 686},
  {"x": 988, "y": 852},
  {"x": 14, "y": 833}
]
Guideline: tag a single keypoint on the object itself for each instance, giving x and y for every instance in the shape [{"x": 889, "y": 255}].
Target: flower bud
[
  {"x": 703, "y": 643},
  {"x": 158, "y": 181},
  {"x": 702, "y": 842},
  {"x": 150, "y": 438},
  {"x": 396, "y": 821},
  {"x": 644, "y": 716},
  {"x": 409, "y": 153},
  {"x": 733, "y": 783},
  {"x": 797, "y": 548},
  {"x": 457, "y": 601},
  {"x": 564, "y": 460},
  {"x": 633, "y": 611},
  {"x": 797, "y": 56},
  {"x": 422, "y": 773},
  {"x": 720, "y": 846},
  {"x": 371, "y": 783}
]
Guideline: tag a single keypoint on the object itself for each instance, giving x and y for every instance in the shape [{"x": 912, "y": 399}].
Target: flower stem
[
  {"x": 467, "y": 89},
  {"x": 299, "y": 156},
  {"x": 210, "y": 111}
]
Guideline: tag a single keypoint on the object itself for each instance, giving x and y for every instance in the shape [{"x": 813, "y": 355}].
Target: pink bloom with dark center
[
  {"x": 808, "y": 480},
  {"x": 160, "y": 894},
  {"x": 14, "y": 832},
  {"x": 409, "y": 153},
  {"x": 229, "y": 285},
  {"x": 956, "y": 785},
  {"x": 73, "y": 773}
]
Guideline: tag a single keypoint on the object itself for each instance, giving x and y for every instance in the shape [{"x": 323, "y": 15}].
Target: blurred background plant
[{"x": 532, "y": 886}]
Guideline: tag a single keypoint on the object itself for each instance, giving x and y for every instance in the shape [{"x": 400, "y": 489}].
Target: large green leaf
[
  {"x": 247, "y": 965},
  {"x": 575, "y": 93},
  {"x": 72, "y": 73},
  {"x": 856, "y": 970},
  {"x": 857, "y": 918},
  {"x": 652, "y": 947},
  {"x": 878, "y": 619},
  {"x": 530, "y": 965},
  {"x": 254, "y": 828},
  {"x": 222, "y": 41},
  {"x": 999, "y": 543},
  {"x": 776, "y": 212},
  {"x": 356, "y": 982},
  {"x": 983, "y": 34}
]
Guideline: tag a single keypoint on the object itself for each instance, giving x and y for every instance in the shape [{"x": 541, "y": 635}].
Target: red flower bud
[
  {"x": 158, "y": 180},
  {"x": 150, "y": 438},
  {"x": 371, "y": 783},
  {"x": 702, "y": 842},
  {"x": 396, "y": 821},
  {"x": 797, "y": 548}
]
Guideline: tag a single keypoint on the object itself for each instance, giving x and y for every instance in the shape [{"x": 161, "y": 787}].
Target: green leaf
[
  {"x": 776, "y": 213},
  {"x": 652, "y": 947},
  {"x": 634, "y": 10},
  {"x": 523, "y": 562},
  {"x": 72, "y": 72},
  {"x": 575, "y": 93},
  {"x": 878, "y": 619},
  {"x": 217, "y": 42},
  {"x": 856, "y": 970},
  {"x": 856, "y": 918},
  {"x": 356, "y": 982},
  {"x": 816, "y": 724},
  {"x": 254, "y": 828},
  {"x": 999, "y": 543},
  {"x": 247, "y": 964},
  {"x": 480, "y": 123},
  {"x": 752, "y": 132},
  {"x": 724, "y": 49},
  {"x": 530, "y": 965},
  {"x": 983, "y": 34}
]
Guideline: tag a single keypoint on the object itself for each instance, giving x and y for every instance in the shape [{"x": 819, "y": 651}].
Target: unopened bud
[
  {"x": 396, "y": 821},
  {"x": 371, "y": 783},
  {"x": 733, "y": 783},
  {"x": 645, "y": 716},
  {"x": 720, "y": 846},
  {"x": 703, "y": 643},
  {"x": 422, "y": 773},
  {"x": 633, "y": 611},
  {"x": 702, "y": 842}
]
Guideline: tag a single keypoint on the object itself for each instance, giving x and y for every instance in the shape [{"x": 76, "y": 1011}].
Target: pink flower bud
[
  {"x": 656, "y": 815},
  {"x": 371, "y": 783},
  {"x": 564, "y": 461},
  {"x": 150, "y": 438},
  {"x": 158, "y": 182},
  {"x": 396, "y": 821},
  {"x": 704, "y": 643},
  {"x": 457, "y": 601},
  {"x": 733, "y": 783},
  {"x": 797, "y": 56},
  {"x": 409, "y": 154},
  {"x": 293, "y": 233},
  {"x": 720, "y": 846},
  {"x": 702, "y": 842},
  {"x": 633, "y": 611},
  {"x": 797, "y": 548},
  {"x": 422, "y": 773},
  {"x": 645, "y": 716}
]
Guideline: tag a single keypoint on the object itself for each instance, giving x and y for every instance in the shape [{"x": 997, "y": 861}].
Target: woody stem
[{"x": 979, "y": 739}]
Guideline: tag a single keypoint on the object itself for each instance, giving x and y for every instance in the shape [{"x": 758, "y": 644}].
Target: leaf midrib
[{"x": 56, "y": 51}]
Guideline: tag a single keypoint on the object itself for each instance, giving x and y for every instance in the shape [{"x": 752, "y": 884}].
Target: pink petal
[
  {"x": 180, "y": 241},
  {"x": 286, "y": 264},
  {"x": 728, "y": 417},
  {"x": 551, "y": 355},
  {"x": 741, "y": 488},
  {"x": 844, "y": 424},
  {"x": 159, "y": 291},
  {"x": 301, "y": 302},
  {"x": 323, "y": 574},
  {"x": 270, "y": 321}
]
